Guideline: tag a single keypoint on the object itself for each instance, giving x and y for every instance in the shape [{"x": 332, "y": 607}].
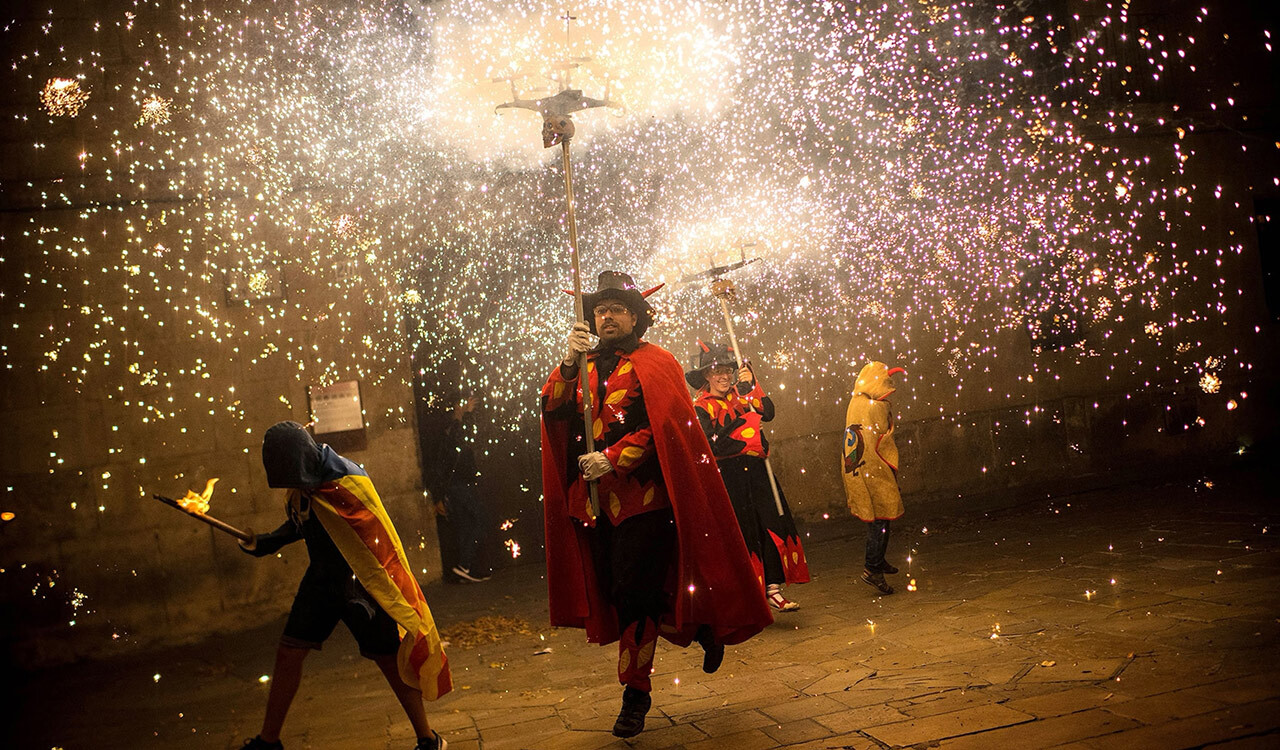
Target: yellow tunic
[{"x": 869, "y": 460}]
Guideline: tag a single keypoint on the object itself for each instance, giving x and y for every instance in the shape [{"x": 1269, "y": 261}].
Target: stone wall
[{"x": 86, "y": 457}]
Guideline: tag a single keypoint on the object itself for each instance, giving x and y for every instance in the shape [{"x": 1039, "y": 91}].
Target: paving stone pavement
[{"x": 1135, "y": 617}]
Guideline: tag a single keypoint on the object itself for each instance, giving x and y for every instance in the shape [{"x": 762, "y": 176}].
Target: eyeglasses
[
  {"x": 616, "y": 308},
  {"x": 722, "y": 370}
]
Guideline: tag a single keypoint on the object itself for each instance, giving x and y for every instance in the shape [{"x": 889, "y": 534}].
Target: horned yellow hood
[{"x": 876, "y": 381}]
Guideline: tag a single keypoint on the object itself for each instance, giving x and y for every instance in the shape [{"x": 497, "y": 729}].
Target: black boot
[
  {"x": 257, "y": 743},
  {"x": 713, "y": 652},
  {"x": 877, "y": 581},
  {"x": 635, "y": 704}
]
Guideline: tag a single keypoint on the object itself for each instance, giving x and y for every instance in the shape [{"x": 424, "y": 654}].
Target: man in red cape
[{"x": 662, "y": 555}]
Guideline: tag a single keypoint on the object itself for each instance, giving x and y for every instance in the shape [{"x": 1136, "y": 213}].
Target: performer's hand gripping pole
[
  {"x": 723, "y": 291},
  {"x": 584, "y": 380}
]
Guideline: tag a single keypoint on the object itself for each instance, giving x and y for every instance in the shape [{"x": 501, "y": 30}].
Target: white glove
[
  {"x": 580, "y": 341},
  {"x": 594, "y": 465}
]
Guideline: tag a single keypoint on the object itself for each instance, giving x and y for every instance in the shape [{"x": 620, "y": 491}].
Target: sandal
[{"x": 779, "y": 602}]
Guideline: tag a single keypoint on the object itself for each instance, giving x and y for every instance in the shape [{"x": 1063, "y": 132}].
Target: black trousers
[
  {"x": 877, "y": 544},
  {"x": 747, "y": 481},
  {"x": 633, "y": 560}
]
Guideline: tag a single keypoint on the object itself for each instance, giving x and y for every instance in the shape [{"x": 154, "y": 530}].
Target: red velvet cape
[{"x": 712, "y": 582}]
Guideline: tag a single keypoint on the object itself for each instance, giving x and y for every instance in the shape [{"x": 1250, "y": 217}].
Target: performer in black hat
[
  {"x": 660, "y": 558},
  {"x": 730, "y": 406}
]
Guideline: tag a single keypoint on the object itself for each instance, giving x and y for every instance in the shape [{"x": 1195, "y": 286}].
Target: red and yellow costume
[
  {"x": 732, "y": 425},
  {"x": 663, "y": 515}
]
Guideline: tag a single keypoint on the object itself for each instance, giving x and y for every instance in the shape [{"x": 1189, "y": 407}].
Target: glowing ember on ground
[{"x": 193, "y": 503}]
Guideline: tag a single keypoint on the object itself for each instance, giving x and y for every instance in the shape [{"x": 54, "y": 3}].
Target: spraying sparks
[
  {"x": 991, "y": 195},
  {"x": 63, "y": 97},
  {"x": 193, "y": 503},
  {"x": 944, "y": 172},
  {"x": 155, "y": 110}
]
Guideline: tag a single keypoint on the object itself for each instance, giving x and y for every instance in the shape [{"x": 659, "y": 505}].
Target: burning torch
[{"x": 197, "y": 506}]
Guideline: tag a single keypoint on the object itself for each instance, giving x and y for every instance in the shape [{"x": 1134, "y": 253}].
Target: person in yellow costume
[{"x": 869, "y": 466}]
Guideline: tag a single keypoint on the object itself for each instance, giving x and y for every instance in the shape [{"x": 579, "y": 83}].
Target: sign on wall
[{"x": 337, "y": 415}]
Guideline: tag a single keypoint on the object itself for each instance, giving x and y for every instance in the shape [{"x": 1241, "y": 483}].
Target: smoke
[{"x": 659, "y": 60}]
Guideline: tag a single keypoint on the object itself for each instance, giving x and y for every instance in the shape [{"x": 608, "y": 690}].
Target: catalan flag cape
[{"x": 349, "y": 508}]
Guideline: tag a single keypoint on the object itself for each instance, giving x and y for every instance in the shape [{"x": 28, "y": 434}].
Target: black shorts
[{"x": 323, "y": 600}]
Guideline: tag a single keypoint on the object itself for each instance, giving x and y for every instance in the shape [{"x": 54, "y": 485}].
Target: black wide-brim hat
[
  {"x": 620, "y": 286},
  {"x": 708, "y": 357}
]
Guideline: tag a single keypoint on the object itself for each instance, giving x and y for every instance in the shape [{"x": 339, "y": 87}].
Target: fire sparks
[
  {"x": 155, "y": 110},
  {"x": 513, "y": 547},
  {"x": 63, "y": 97},
  {"x": 446, "y": 192},
  {"x": 193, "y": 503},
  {"x": 940, "y": 211}
]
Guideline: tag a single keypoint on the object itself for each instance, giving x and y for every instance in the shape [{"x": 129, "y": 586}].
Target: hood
[
  {"x": 875, "y": 381},
  {"x": 291, "y": 457}
]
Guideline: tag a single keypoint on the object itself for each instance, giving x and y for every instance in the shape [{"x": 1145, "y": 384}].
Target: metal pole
[
  {"x": 584, "y": 379},
  {"x": 737, "y": 355}
]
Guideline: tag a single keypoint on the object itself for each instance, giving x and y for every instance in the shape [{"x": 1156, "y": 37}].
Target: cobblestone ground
[{"x": 1137, "y": 617}]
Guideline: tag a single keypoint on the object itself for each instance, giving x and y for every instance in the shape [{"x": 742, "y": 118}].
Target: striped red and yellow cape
[{"x": 351, "y": 511}]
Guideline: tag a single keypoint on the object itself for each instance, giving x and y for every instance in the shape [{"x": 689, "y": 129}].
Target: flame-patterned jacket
[
  {"x": 621, "y": 432},
  {"x": 731, "y": 426}
]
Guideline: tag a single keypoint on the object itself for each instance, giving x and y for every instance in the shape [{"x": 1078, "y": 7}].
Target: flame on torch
[{"x": 193, "y": 503}]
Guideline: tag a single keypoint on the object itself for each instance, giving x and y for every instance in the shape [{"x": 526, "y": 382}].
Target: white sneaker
[{"x": 465, "y": 573}]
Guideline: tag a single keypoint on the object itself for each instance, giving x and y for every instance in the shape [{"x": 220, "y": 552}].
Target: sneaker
[
  {"x": 257, "y": 743},
  {"x": 466, "y": 574},
  {"x": 435, "y": 742},
  {"x": 713, "y": 653},
  {"x": 877, "y": 581},
  {"x": 635, "y": 704},
  {"x": 778, "y": 601},
  {"x": 887, "y": 569}
]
